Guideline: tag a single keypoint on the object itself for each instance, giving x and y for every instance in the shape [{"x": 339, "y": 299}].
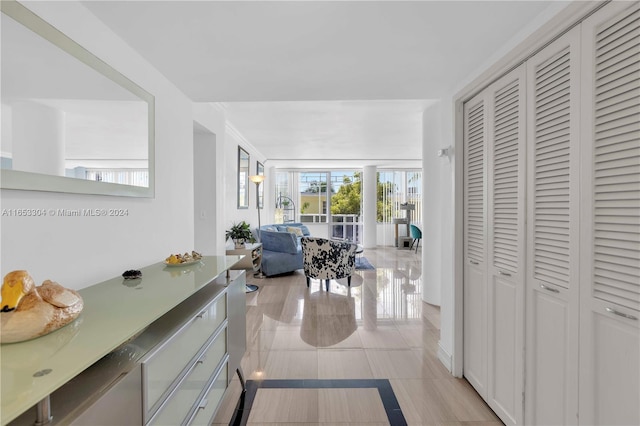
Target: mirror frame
[
  {"x": 14, "y": 179},
  {"x": 243, "y": 201},
  {"x": 260, "y": 192}
]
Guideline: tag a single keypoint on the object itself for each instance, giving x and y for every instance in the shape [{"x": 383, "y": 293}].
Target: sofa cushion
[
  {"x": 305, "y": 230},
  {"x": 283, "y": 242},
  {"x": 296, "y": 230}
]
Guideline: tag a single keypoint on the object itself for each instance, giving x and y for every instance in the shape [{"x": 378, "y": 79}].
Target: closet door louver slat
[
  {"x": 616, "y": 164},
  {"x": 505, "y": 177},
  {"x": 474, "y": 185},
  {"x": 552, "y": 171}
]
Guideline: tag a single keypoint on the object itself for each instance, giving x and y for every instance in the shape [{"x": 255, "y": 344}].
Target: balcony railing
[{"x": 342, "y": 227}]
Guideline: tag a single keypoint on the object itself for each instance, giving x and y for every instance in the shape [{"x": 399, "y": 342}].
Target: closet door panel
[
  {"x": 475, "y": 282},
  {"x": 612, "y": 386},
  {"x": 475, "y": 336},
  {"x": 506, "y": 234},
  {"x": 505, "y": 355},
  {"x": 553, "y": 106},
  {"x": 548, "y": 356},
  {"x": 610, "y": 263}
]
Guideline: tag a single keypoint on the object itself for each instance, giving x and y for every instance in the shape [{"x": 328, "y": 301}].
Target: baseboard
[{"x": 444, "y": 357}]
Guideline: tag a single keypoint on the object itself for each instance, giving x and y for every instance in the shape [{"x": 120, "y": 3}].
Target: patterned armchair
[{"x": 328, "y": 260}]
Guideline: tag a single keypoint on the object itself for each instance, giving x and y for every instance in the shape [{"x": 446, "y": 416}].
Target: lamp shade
[{"x": 257, "y": 178}]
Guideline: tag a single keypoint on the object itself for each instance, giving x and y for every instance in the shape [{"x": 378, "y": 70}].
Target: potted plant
[{"x": 240, "y": 233}]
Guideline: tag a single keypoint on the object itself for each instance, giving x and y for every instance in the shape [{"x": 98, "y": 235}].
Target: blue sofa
[{"x": 281, "y": 250}]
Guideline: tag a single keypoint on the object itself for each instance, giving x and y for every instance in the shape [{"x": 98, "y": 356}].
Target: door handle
[
  {"x": 552, "y": 290},
  {"x": 621, "y": 314},
  {"x": 473, "y": 262},
  {"x": 506, "y": 274}
]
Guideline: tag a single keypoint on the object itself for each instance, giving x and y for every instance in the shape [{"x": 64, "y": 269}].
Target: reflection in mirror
[
  {"x": 260, "y": 194},
  {"x": 243, "y": 179},
  {"x": 66, "y": 114}
]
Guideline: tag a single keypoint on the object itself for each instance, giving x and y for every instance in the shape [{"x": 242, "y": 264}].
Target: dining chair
[{"x": 416, "y": 234}]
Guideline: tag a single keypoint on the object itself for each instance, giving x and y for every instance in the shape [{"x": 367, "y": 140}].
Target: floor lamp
[{"x": 258, "y": 179}]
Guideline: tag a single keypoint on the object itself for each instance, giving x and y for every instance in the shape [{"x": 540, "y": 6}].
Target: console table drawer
[
  {"x": 161, "y": 369},
  {"x": 209, "y": 404},
  {"x": 182, "y": 400}
]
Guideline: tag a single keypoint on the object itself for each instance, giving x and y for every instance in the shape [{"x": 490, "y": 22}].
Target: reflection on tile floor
[{"x": 379, "y": 328}]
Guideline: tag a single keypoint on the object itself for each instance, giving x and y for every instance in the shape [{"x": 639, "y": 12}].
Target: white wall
[
  {"x": 437, "y": 219},
  {"x": 209, "y": 181},
  {"x": 204, "y": 189},
  {"x": 80, "y": 251},
  {"x": 432, "y": 169},
  {"x": 232, "y": 213}
]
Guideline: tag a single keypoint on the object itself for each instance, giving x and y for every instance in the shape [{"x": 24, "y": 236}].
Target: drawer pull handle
[
  {"x": 552, "y": 290},
  {"x": 621, "y": 314},
  {"x": 203, "y": 404},
  {"x": 506, "y": 274},
  {"x": 201, "y": 314},
  {"x": 201, "y": 360},
  {"x": 473, "y": 262}
]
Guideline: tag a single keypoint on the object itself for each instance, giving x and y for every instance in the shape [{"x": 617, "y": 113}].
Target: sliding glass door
[
  {"x": 314, "y": 197},
  {"x": 328, "y": 202},
  {"x": 346, "y": 206}
]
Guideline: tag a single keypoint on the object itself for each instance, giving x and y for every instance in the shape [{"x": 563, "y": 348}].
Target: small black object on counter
[{"x": 132, "y": 274}]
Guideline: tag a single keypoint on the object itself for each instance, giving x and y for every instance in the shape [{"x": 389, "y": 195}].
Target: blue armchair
[{"x": 281, "y": 252}]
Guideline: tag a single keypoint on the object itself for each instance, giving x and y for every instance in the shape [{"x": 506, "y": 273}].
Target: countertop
[{"x": 114, "y": 311}]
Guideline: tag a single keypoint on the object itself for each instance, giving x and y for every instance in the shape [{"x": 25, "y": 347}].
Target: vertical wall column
[
  {"x": 204, "y": 189},
  {"x": 433, "y": 170},
  {"x": 369, "y": 211},
  {"x": 38, "y": 139},
  {"x": 220, "y": 187}
]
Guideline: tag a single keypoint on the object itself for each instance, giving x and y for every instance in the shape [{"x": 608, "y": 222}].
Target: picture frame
[
  {"x": 260, "y": 193},
  {"x": 243, "y": 178}
]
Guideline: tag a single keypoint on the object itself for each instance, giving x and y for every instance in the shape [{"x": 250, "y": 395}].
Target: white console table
[
  {"x": 158, "y": 350},
  {"x": 252, "y": 253},
  {"x": 252, "y": 261}
]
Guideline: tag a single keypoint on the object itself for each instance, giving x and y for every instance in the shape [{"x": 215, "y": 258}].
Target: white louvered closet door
[
  {"x": 475, "y": 237},
  {"x": 553, "y": 105},
  {"x": 506, "y": 236},
  {"x": 610, "y": 263}
]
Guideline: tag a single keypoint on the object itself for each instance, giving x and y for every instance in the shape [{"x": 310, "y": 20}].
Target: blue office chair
[{"x": 416, "y": 234}]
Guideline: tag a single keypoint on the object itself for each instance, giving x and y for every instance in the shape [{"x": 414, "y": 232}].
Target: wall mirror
[
  {"x": 70, "y": 122},
  {"x": 243, "y": 179},
  {"x": 260, "y": 193}
]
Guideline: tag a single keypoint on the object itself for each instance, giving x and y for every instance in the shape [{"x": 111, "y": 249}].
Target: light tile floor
[{"x": 378, "y": 329}]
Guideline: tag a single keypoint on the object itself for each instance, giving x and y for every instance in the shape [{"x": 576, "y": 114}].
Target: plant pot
[{"x": 239, "y": 243}]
